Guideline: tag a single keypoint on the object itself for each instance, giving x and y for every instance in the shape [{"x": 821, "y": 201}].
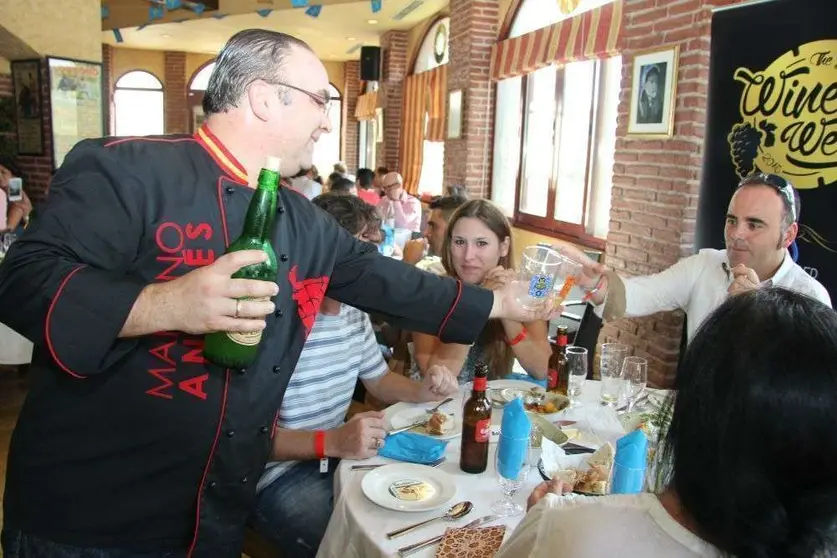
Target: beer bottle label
[
  {"x": 482, "y": 431},
  {"x": 552, "y": 379},
  {"x": 247, "y": 338}
]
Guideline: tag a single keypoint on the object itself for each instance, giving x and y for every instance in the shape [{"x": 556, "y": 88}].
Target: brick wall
[
  {"x": 390, "y": 96},
  {"x": 473, "y": 29},
  {"x": 656, "y": 181},
  {"x": 177, "y": 107},
  {"x": 351, "y": 90}
]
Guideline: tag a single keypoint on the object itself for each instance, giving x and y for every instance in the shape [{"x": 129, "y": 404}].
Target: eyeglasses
[
  {"x": 782, "y": 186},
  {"x": 323, "y": 102},
  {"x": 391, "y": 186}
]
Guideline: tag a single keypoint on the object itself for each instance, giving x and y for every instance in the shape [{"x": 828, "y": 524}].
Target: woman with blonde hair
[{"x": 478, "y": 250}]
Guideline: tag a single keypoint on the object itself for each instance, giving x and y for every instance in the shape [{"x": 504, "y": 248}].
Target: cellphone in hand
[{"x": 15, "y": 189}]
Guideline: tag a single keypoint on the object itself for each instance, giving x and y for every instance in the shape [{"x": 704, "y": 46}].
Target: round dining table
[{"x": 358, "y": 527}]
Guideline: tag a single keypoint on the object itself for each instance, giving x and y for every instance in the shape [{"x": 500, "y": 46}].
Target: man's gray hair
[{"x": 249, "y": 55}]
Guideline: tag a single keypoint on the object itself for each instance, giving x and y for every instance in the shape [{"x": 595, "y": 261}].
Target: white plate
[
  {"x": 376, "y": 486},
  {"x": 406, "y": 417},
  {"x": 496, "y": 387}
]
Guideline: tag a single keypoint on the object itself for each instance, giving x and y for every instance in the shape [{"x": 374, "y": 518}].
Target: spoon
[{"x": 455, "y": 512}]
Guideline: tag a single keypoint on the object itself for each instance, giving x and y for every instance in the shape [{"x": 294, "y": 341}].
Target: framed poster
[
  {"x": 26, "y": 81},
  {"x": 76, "y": 97},
  {"x": 653, "y": 93}
]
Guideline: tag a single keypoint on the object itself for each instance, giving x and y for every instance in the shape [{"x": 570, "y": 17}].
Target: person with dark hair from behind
[
  {"x": 749, "y": 458},
  {"x": 365, "y": 182},
  {"x": 343, "y": 186}
]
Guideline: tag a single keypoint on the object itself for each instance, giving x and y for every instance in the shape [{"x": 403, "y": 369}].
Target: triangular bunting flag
[
  {"x": 299, "y": 3},
  {"x": 219, "y": 16},
  {"x": 264, "y": 12},
  {"x": 117, "y": 34},
  {"x": 196, "y": 7},
  {"x": 141, "y": 27},
  {"x": 376, "y": 6},
  {"x": 314, "y": 11},
  {"x": 105, "y": 12}
]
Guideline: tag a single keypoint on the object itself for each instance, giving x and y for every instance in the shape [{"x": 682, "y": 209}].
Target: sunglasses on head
[{"x": 782, "y": 186}]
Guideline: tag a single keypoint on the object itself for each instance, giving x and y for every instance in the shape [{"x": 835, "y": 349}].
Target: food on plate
[
  {"x": 596, "y": 478},
  {"x": 440, "y": 424},
  {"x": 543, "y": 403},
  {"x": 412, "y": 490}
]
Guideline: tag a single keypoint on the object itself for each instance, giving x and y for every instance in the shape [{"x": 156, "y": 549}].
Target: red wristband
[
  {"x": 319, "y": 444},
  {"x": 520, "y": 337}
]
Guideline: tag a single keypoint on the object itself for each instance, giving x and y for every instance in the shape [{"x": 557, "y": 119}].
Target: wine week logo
[
  {"x": 789, "y": 117},
  {"x": 789, "y": 122}
]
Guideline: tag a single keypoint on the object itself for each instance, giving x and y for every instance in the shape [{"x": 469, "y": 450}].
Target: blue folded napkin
[
  {"x": 513, "y": 446},
  {"x": 629, "y": 463},
  {"x": 525, "y": 378},
  {"x": 413, "y": 448}
]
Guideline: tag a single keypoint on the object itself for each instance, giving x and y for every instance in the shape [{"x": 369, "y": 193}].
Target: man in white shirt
[
  {"x": 762, "y": 222},
  {"x": 406, "y": 209}
]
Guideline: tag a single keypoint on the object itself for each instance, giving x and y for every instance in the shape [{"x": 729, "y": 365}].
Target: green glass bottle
[{"x": 238, "y": 350}]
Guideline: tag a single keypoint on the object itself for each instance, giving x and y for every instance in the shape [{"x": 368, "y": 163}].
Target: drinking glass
[
  {"x": 506, "y": 507},
  {"x": 635, "y": 376},
  {"x": 577, "y": 367},
  {"x": 545, "y": 274},
  {"x": 613, "y": 355}
]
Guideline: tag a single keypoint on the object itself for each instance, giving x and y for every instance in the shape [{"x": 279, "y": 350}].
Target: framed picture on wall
[
  {"x": 455, "y": 114},
  {"x": 28, "y": 106},
  {"x": 76, "y": 97},
  {"x": 654, "y": 92}
]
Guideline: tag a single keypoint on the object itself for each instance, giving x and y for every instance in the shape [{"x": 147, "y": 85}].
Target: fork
[{"x": 371, "y": 466}]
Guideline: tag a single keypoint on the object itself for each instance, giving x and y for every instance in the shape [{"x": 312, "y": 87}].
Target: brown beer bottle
[
  {"x": 476, "y": 425},
  {"x": 558, "y": 377}
]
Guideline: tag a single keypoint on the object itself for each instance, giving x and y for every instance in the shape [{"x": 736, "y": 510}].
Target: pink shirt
[
  {"x": 369, "y": 196},
  {"x": 407, "y": 211}
]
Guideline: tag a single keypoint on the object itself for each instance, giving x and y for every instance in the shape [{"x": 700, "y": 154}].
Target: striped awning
[
  {"x": 366, "y": 105},
  {"x": 592, "y": 34}
]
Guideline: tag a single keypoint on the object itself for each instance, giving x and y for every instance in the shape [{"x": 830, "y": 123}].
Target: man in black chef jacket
[{"x": 129, "y": 444}]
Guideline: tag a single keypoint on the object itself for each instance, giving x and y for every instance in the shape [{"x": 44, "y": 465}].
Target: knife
[
  {"x": 407, "y": 550},
  {"x": 421, "y": 422}
]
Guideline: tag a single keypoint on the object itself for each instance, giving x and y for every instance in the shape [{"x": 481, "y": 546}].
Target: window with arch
[
  {"x": 201, "y": 79},
  {"x": 555, "y": 137},
  {"x": 196, "y": 88},
  {"x": 327, "y": 148},
  {"x": 433, "y": 53},
  {"x": 138, "y": 108}
]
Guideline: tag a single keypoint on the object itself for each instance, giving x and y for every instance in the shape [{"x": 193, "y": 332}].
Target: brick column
[
  {"x": 107, "y": 82},
  {"x": 656, "y": 181},
  {"x": 8, "y": 138},
  {"x": 473, "y": 29},
  {"x": 177, "y": 107},
  {"x": 351, "y": 90},
  {"x": 390, "y": 96}
]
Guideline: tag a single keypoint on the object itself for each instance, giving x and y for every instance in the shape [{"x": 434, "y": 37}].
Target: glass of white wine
[{"x": 577, "y": 368}]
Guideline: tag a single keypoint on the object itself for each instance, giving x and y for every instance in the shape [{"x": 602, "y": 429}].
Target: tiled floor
[{"x": 12, "y": 393}]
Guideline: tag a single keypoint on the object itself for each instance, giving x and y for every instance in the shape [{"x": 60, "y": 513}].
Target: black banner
[{"x": 772, "y": 108}]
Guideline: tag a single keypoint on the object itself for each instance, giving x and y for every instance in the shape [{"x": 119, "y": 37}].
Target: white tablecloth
[
  {"x": 14, "y": 349},
  {"x": 358, "y": 527}
]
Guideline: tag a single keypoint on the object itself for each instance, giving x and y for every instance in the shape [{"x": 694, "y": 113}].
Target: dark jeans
[
  {"x": 20, "y": 545},
  {"x": 293, "y": 511}
]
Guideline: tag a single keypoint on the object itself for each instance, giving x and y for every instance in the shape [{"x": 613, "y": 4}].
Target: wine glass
[
  {"x": 511, "y": 475},
  {"x": 635, "y": 376},
  {"x": 612, "y": 359},
  {"x": 577, "y": 367}
]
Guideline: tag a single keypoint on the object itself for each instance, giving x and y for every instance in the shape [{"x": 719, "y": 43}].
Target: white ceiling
[{"x": 337, "y": 29}]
